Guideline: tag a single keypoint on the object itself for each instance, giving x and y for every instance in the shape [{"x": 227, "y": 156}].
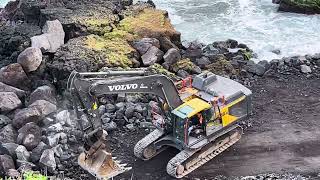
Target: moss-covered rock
[
  {"x": 157, "y": 68},
  {"x": 151, "y": 23},
  {"x": 300, "y": 6},
  {"x": 187, "y": 65},
  {"x": 222, "y": 67}
]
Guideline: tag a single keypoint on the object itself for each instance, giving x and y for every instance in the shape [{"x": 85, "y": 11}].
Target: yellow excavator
[{"x": 199, "y": 117}]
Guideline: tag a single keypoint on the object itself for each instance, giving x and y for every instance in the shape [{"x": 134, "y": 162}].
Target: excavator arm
[{"x": 86, "y": 88}]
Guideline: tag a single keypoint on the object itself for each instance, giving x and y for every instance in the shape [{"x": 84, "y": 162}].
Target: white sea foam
[{"x": 253, "y": 22}]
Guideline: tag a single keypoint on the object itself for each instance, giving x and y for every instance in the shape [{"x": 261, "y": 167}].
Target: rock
[
  {"x": 9, "y": 149},
  {"x": 25, "y": 116},
  {"x": 8, "y": 134},
  {"x": 257, "y": 69},
  {"x": 14, "y": 75},
  {"x": 13, "y": 174},
  {"x": 144, "y": 44},
  {"x": 47, "y": 121},
  {"x": 6, "y": 88},
  {"x": 276, "y": 1},
  {"x": 106, "y": 118},
  {"x": 130, "y": 127},
  {"x": 43, "y": 93},
  {"x": 30, "y": 59},
  {"x": 146, "y": 125},
  {"x": 194, "y": 51},
  {"x": 265, "y": 64},
  {"x": 203, "y": 62},
  {"x": 9, "y": 101},
  {"x": 58, "y": 151},
  {"x": 25, "y": 166},
  {"x": 22, "y": 153},
  {"x": 138, "y": 108},
  {"x": 4, "y": 120},
  {"x": 305, "y": 69},
  {"x": 102, "y": 109},
  {"x": 110, "y": 126},
  {"x": 316, "y": 56},
  {"x": 45, "y": 107},
  {"x": 110, "y": 108},
  {"x": 304, "y": 7},
  {"x": 232, "y": 43},
  {"x": 276, "y": 51},
  {"x": 6, "y": 163},
  {"x": 54, "y": 140},
  {"x": 47, "y": 160},
  {"x": 172, "y": 56},
  {"x": 52, "y": 38},
  {"x": 55, "y": 128},
  {"x": 37, "y": 152},
  {"x": 64, "y": 118},
  {"x": 120, "y": 105},
  {"x": 182, "y": 73},
  {"x": 29, "y": 135},
  {"x": 166, "y": 44},
  {"x": 129, "y": 112},
  {"x": 210, "y": 51},
  {"x": 153, "y": 55}
]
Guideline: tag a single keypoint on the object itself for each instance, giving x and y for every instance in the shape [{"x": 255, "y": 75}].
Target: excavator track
[
  {"x": 187, "y": 160},
  {"x": 144, "y": 149}
]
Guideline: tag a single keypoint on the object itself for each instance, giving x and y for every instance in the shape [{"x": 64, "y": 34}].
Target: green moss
[
  {"x": 98, "y": 26},
  {"x": 30, "y": 175},
  {"x": 148, "y": 22},
  {"x": 116, "y": 50},
  {"x": 157, "y": 68},
  {"x": 222, "y": 67},
  {"x": 185, "y": 64},
  {"x": 304, "y": 3},
  {"x": 247, "y": 54}
]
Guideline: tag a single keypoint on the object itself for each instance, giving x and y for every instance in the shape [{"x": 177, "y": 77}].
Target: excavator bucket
[{"x": 99, "y": 162}]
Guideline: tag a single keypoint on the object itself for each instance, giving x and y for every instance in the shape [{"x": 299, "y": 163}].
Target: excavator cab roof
[{"x": 191, "y": 108}]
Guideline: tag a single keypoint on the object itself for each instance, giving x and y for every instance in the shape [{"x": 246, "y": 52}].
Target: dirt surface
[{"x": 282, "y": 136}]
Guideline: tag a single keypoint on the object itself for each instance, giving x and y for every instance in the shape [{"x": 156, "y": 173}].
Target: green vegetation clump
[
  {"x": 30, "y": 175},
  {"x": 157, "y": 68},
  {"x": 98, "y": 26},
  {"x": 221, "y": 67},
  {"x": 185, "y": 64}
]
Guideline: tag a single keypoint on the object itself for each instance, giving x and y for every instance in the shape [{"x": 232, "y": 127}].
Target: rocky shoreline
[{"x": 43, "y": 41}]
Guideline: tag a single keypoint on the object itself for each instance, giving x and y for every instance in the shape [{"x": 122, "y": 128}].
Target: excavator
[{"x": 199, "y": 117}]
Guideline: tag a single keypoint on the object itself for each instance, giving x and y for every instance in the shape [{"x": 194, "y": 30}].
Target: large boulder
[
  {"x": 6, "y": 163},
  {"x": 43, "y": 93},
  {"x": 6, "y": 88},
  {"x": 9, "y": 101},
  {"x": 153, "y": 55},
  {"x": 52, "y": 38},
  {"x": 29, "y": 136},
  {"x": 30, "y": 59},
  {"x": 37, "y": 152},
  {"x": 171, "y": 57},
  {"x": 143, "y": 45},
  {"x": 14, "y": 75},
  {"x": 194, "y": 51},
  {"x": 45, "y": 107},
  {"x": 26, "y": 115},
  {"x": 8, "y": 134},
  {"x": 305, "y": 7},
  {"x": 9, "y": 149}
]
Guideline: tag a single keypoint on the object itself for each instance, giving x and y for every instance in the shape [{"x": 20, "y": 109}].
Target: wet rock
[
  {"x": 6, "y": 163},
  {"x": 171, "y": 56},
  {"x": 6, "y": 88},
  {"x": 4, "y": 120},
  {"x": 22, "y": 153},
  {"x": 9, "y": 149},
  {"x": 8, "y": 134},
  {"x": 232, "y": 43},
  {"x": 14, "y": 75},
  {"x": 304, "y": 7},
  {"x": 30, "y": 59},
  {"x": 305, "y": 69},
  {"x": 43, "y": 93},
  {"x": 203, "y": 62},
  {"x": 276, "y": 51},
  {"x": 153, "y": 55},
  {"x": 9, "y": 101},
  {"x": 45, "y": 107},
  {"x": 47, "y": 160},
  {"x": 64, "y": 118},
  {"x": 29, "y": 136},
  {"x": 316, "y": 56},
  {"x": 25, "y": 116},
  {"x": 37, "y": 152}
]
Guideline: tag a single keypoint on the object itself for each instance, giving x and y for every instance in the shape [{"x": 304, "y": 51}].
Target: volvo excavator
[{"x": 199, "y": 117}]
